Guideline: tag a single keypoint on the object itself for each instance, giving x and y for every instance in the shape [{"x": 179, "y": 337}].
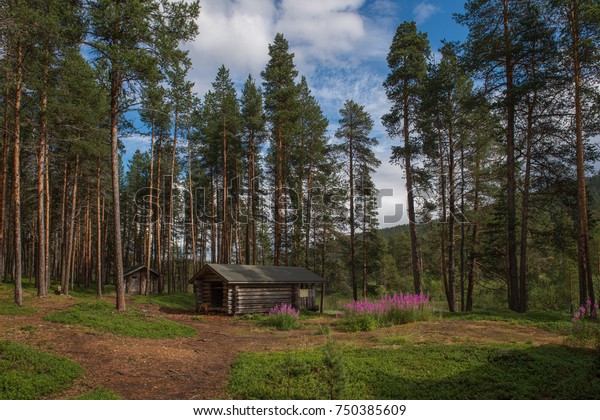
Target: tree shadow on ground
[{"x": 545, "y": 372}]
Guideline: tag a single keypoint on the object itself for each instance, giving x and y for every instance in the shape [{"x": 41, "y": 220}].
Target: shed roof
[
  {"x": 131, "y": 270},
  {"x": 247, "y": 274}
]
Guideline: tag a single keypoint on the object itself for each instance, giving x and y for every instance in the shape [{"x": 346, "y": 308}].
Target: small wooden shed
[
  {"x": 135, "y": 279},
  {"x": 241, "y": 289}
]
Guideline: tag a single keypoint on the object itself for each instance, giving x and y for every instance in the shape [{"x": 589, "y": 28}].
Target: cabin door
[{"x": 216, "y": 295}]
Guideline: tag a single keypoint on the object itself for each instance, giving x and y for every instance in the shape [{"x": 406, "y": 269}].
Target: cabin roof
[
  {"x": 131, "y": 270},
  {"x": 248, "y": 274}
]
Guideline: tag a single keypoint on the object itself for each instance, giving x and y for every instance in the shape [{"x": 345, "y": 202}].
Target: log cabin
[
  {"x": 135, "y": 280},
  {"x": 242, "y": 289}
]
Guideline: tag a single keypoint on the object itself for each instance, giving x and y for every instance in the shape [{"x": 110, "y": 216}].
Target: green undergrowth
[
  {"x": 179, "y": 300},
  {"x": 420, "y": 371},
  {"x": 91, "y": 293},
  {"x": 27, "y": 373},
  {"x": 102, "y": 316},
  {"x": 557, "y": 322},
  {"x": 8, "y": 307},
  {"x": 12, "y": 309},
  {"x": 99, "y": 394}
]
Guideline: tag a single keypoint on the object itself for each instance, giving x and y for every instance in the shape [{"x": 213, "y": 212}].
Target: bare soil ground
[{"x": 198, "y": 368}]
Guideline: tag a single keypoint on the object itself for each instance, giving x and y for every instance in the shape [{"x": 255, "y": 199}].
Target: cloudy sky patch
[{"x": 423, "y": 11}]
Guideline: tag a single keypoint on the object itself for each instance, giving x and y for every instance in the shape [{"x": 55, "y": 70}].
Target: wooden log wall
[{"x": 260, "y": 299}]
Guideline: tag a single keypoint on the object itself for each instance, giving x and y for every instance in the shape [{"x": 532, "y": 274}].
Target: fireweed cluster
[
  {"x": 589, "y": 310},
  {"x": 366, "y": 315},
  {"x": 586, "y": 327},
  {"x": 284, "y": 317}
]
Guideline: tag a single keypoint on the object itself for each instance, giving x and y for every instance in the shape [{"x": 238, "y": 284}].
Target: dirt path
[{"x": 198, "y": 368}]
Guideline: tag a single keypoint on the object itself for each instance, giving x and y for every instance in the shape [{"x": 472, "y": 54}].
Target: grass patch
[
  {"x": 99, "y": 394},
  {"x": 180, "y": 300},
  {"x": 101, "y": 316},
  {"x": 12, "y": 309},
  {"x": 27, "y": 373},
  {"x": 29, "y": 328},
  {"x": 394, "y": 340},
  {"x": 557, "y": 322},
  {"x": 422, "y": 372}
]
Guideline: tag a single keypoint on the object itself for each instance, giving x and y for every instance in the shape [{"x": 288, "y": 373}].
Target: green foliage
[
  {"x": 177, "y": 300},
  {"x": 28, "y": 328},
  {"x": 395, "y": 340},
  {"x": 426, "y": 372},
  {"x": 334, "y": 374},
  {"x": 101, "y": 316},
  {"x": 323, "y": 330},
  {"x": 12, "y": 309},
  {"x": 99, "y": 394},
  {"x": 585, "y": 332},
  {"x": 547, "y": 320},
  {"x": 283, "y": 322},
  {"x": 261, "y": 318},
  {"x": 27, "y": 373},
  {"x": 360, "y": 322}
]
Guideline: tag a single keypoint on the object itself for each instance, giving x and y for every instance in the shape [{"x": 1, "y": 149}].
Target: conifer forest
[{"x": 495, "y": 147}]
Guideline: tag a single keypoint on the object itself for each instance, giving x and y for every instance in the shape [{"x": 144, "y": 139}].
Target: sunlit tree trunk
[{"x": 17, "y": 175}]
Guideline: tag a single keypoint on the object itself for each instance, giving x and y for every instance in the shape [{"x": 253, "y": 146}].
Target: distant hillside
[{"x": 394, "y": 231}]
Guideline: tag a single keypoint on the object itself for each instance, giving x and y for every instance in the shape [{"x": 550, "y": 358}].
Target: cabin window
[{"x": 216, "y": 295}]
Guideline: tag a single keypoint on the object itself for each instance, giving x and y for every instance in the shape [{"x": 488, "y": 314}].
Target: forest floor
[{"x": 198, "y": 367}]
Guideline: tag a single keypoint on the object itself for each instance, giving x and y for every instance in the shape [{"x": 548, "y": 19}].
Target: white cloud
[
  {"x": 237, "y": 33},
  {"x": 321, "y": 30},
  {"x": 424, "y": 11},
  {"x": 234, "y": 33}
]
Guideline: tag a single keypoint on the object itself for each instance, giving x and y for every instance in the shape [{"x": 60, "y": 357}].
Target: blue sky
[{"x": 339, "y": 45}]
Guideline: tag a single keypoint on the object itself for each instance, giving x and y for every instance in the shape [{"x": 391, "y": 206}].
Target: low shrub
[{"x": 27, "y": 373}]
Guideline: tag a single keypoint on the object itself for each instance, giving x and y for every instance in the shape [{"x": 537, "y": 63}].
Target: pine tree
[
  {"x": 128, "y": 35},
  {"x": 407, "y": 60},
  {"x": 579, "y": 29},
  {"x": 356, "y": 147},
  {"x": 281, "y": 94},
  {"x": 254, "y": 133}
]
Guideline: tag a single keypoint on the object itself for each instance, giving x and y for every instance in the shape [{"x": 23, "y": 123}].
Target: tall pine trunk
[
  {"x": 525, "y": 206},
  {"x": 70, "y": 248},
  {"x": 159, "y": 185},
  {"x": 511, "y": 186},
  {"x": 452, "y": 210},
  {"x": 116, "y": 82},
  {"x": 4, "y": 173},
  {"x": 278, "y": 197},
  {"x": 151, "y": 215},
  {"x": 444, "y": 220},
  {"x": 352, "y": 221},
  {"x": 98, "y": 234},
  {"x": 41, "y": 209},
  {"x": 414, "y": 243},
  {"x": 17, "y": 176},
  {"x": 170, "y": 277},
  {"x": 474, "y": 240},
  {"x": 586, "y": 287},
  {"x": 224, "y": 253}
]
